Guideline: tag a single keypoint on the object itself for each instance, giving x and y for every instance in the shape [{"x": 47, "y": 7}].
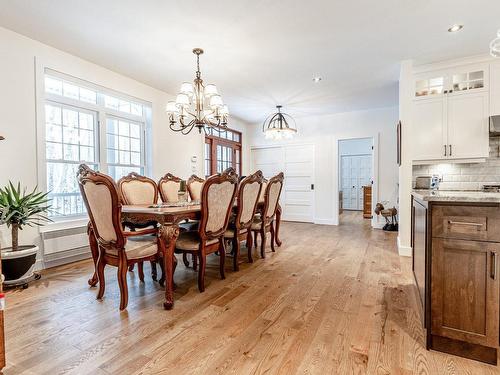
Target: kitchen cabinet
[
  {"x": 367, "y": 202},
  {"x": 495, "y": 88},
  {"x": 419, "y": 252},
  {"x": 450, "y": 115}
]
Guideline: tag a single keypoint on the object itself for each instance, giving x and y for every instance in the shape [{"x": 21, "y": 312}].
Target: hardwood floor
[{"x": 331, "y": 300}]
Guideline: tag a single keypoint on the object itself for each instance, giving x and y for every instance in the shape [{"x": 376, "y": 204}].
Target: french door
[{"x": 356, "y": 172}]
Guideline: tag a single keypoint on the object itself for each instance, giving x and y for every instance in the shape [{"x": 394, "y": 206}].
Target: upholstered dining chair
[
  {"x": 240, "y": 223},
  {"x": 264, "y": 222},
  {"x": 103, "y": 204},
  {"x": 169, "y": 187},
  {"x": 194, "y": 185},
  {"x": 217, "y": 197},
  {"x": 137, "y": 189}
]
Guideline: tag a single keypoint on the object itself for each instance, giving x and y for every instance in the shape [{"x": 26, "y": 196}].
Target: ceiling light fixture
[
  {"x": 455, "y": 28},
  {"x": 495, "y": 46},
  {"x": 279, "y": 126},
  {"x": 317, "y": 79},
  {"x": 188, "y": 111}
]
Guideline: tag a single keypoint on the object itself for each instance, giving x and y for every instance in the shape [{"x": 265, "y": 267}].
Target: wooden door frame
[{"x": 211, "y": 139}]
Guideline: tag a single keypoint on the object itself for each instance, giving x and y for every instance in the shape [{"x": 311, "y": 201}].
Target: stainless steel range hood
[{"x": 495, "y": 125}]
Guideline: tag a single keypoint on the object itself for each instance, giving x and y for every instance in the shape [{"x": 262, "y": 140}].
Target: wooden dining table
[{"x": 168, "y": 218}]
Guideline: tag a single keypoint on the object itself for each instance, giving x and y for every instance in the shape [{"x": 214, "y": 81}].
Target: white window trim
[{"x": 41, "y": 98}]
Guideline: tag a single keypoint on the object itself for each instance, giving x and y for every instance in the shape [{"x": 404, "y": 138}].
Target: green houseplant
[{"x": 19, "y": 208}]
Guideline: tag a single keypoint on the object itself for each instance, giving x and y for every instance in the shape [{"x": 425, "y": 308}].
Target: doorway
[{"x": 355, "y": 178}]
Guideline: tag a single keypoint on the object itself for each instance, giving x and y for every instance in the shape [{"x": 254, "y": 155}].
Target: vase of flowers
[{"x": 20, "y": 208}]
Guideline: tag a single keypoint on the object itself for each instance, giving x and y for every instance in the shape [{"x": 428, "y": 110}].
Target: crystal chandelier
[
  {"x": 495, "y": 46},
  {"x": 197, "y": 106},
  {"x": 279, "y": 126}
]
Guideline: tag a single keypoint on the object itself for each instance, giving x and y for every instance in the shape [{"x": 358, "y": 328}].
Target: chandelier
[
  {"x": 197, "y": 106},
  {"x": 495, "y": 46},
  {"x": 279, "y": 126}
]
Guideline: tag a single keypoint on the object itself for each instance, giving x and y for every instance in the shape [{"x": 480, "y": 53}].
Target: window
[
  {"x": 85, "y": 123},
  {"x": 222, "y": 150}
]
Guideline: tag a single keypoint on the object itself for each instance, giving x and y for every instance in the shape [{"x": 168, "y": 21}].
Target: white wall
[
  {"x": 324, "y": 132},
  {"x": 18, "y": 153},
  {"x": 358, "y": 146}
]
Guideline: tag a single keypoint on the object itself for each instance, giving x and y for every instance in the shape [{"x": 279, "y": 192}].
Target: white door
[
  {"x": 429, "y": 116},
  {"x": 356, "y": 172},
  {"x": 297, "y": 163},
  {"x": 468, "y": 125}
]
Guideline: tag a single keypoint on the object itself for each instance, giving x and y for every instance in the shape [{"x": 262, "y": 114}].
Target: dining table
[{"x": 168, "y": 218}]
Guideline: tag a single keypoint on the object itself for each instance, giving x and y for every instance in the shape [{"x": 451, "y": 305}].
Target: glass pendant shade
[
  {"x": 495, "y": 46},
  {"x": 279, "y": 126}
]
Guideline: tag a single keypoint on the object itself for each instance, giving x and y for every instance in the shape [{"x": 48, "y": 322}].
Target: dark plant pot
[{"x": 18, "y": 266}]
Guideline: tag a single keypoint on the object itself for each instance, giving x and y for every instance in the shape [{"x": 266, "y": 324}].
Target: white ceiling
[{"x": 263, "y": 52}]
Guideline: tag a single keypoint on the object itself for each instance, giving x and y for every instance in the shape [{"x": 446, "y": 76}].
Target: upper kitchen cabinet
[
  {"x": 495, "y": 88},
  {"x": 450, "y": 114}
]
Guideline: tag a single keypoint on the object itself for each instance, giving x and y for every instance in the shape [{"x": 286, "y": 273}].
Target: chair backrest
[
  {"x": 272, "y": 195},
  {"x": 217, "y": 198},
  {"x": 194, "y": 186},
  {"x": 169, "y": 186},
  {"x": 102, "y": 201},
  {"x": 248, "y": 199},
  {"x": 137, "y": 189}
]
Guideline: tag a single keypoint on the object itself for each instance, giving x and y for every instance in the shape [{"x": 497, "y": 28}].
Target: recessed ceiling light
[
  {"x": 317, "y": 79},
  {"x": 455, "y": 28}
]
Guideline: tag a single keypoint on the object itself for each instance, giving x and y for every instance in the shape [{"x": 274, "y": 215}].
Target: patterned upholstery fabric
[
  {"x": 262, "y": 192},
  {"x": 249, "y": 195},
  {"x": 100, "y": 203},
  {"x": 138, "y": 192},
  {"x": 274, "y": 195},
  {"x": 229, "y": 233},
  {"x": 191, "y": 241},
  {"x": 195, "y": 190},
  {"x": 138, "y": 247},
  {"x": 170, "y": 190},
  {"x": 218, "y": 202}
]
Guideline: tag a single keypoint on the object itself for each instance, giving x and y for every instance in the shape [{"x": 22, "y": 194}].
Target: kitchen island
[{"x": 455, "y": 248}]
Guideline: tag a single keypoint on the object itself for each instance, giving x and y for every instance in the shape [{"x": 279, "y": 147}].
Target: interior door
[
  {"x": 468, "y": 125},
  {"x": 429, "y": 116},
  {"x": 297, "y": 163},
  {"x": 355, "y": 173}
]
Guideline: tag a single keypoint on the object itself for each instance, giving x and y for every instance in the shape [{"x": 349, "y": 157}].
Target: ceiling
[{"x": 263, "y": 52}]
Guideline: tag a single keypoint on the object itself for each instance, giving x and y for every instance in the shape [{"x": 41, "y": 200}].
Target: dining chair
[
  {"x": 137, "y": 189},
  {"x": 102, "y": 200},
  {"x": 264, "y": 221},
  {"x": 239, "y": 225},
  {"x": 194, "y": 186},
  {"x": 169, "y": 187},
  {"x": 217, "y": 197}
]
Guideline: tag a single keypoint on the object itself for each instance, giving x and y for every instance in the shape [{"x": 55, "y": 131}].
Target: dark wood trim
[
  {"x": 464, "y": 349},
  {"x": 214, "y": 140}
]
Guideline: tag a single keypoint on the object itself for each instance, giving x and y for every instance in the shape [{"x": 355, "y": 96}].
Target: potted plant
[{"x": 17, "y": 209}]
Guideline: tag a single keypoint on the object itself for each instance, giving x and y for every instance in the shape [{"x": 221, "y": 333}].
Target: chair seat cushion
[
  {"x": 191, "y": 241},
  {"x": 257, "y": 223},
  {"x": 229, "y": 233},
  {"x": 138, "y": 247}
]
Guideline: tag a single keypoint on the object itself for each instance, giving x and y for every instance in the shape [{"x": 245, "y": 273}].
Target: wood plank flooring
[{"x": 331, "y": 300}]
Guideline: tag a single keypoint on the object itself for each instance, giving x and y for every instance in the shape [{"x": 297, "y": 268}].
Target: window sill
[{"x": 64, "y": 224}]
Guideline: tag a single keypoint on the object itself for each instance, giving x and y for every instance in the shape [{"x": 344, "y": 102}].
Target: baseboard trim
[{"x": 404, "y": 251}]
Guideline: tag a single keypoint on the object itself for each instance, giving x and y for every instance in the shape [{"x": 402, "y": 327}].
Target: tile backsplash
[{"x": 469, "y": 176}]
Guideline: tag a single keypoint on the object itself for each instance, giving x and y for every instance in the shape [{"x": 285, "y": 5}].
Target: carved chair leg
[
  {"x": 195, "y": 260},
  {"x": 122, "y": 282},
  {"x": 236, "y": 253},
  {"x": 263, "y": 243},
  {"x": 222, "y": 259},
  {"x": 161, "y": 281},
  {"x": 185, "y": 259},
  {"x": 201, "y": 271},
  {"x": 154, "y": 273},
  {"x": 255, "y": 239},
  {"x": 131, "y": 267},
  {"x": 101, "y": 263},
  {"x": 140, "y": 269},
  {"x": 249, "y": 246},
  {"x": 271, "y": 228}
]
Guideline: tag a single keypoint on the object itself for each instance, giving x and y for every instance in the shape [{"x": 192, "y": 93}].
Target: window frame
[
  {"x": 102, "y": 113},
  {"x": 214, "y": 140}
]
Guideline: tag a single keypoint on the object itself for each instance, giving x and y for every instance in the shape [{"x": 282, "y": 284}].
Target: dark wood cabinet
[
  {"x": 367, "y": 202},
  {"x": 419, "y": 251},
  {"x": 465, "y": 291}
]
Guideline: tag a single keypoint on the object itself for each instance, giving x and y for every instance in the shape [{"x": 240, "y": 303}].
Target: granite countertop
[{"x": 456, "y": 196}]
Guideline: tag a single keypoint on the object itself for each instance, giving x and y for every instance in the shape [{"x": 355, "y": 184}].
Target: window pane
[
  {"x": 136, "y": 109},
  {"x": 86, "y": 137},
  {"x": 71, "y": 153},
  {"x": 87, "y": 95},
  {"x": 70, "y": 135},
  {"x": 135, "y": 145},
  {"x": 124, "y": 157},
  {"x": 135, "y": 131},
  {"x": 111, "y": 102},
  {"x": 112, "y": 126},
  {"x": 124, "y": 106},
  {"x": 52, "y": 114},
  {"x": 112, "y": 141},
  {"x": 86, "y": 153},
  {"x": 70, "y": 90},
  {"x": 124, "y": 143},
  {"x": 53, "y": 86},
  {"x": 86, "y": 121},
  {"x": 70, "y": 117},
  {"x": 53, "y": 133},
  {"x": 112, "y": 156},
  {"x": 124, "y": 128},
  {"x": 53, "y": 150},
  {"x": 135, "y": 158}
]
